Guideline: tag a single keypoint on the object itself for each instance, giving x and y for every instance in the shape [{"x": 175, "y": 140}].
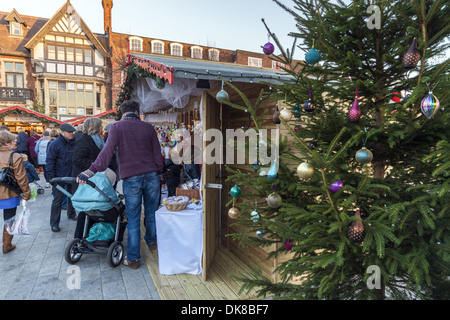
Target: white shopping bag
[{"x": 19, "y": 226}]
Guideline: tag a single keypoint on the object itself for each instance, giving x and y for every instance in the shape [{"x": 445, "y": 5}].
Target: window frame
[
  {"x": 176, "y": 45},
  {"x": 157, "y": 42},
  {"x": 138, "y": 41},
  {"x": 195, "y": 48}
]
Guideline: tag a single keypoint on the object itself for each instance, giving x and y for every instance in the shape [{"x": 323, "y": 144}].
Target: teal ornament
[
  {"x": 222, "y": 95},
  {"x": 255, "y": 216},
  {"x": 235, "y": 192},
  {"x": 430, "y": 105},
  {"x": 312, "y": 57},
  {"x": 272, "y": 174},
  {"x": 297, "y": 112},
  {"x": 364, "y": 156}
]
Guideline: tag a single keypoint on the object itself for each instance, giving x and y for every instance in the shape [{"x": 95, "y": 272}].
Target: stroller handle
[{"x": 70, "y": 180}]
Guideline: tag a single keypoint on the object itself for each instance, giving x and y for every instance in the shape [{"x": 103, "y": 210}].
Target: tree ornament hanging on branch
[
  {"x": 275, "y": 117},
  {"x": 305, "y": 170},
  {"x": 309, "y": 105},
  {"x": 268, "y": 48},
  {"x": 364, "y": 155},
  {"x": 233, "y": 213},
  {"x": 336, "y": 186},
  {"x": 286, "y": 114},
  {"x": 274, "y": 200},
  {"x": 356, "y": 229},
  {"x": 313, "y": 56},
  {"x": 430, "y": 104},
  {"x": 412, "y": 56},
  {"x": 235, "y": 192},
  {"x": 222, "y": 95},
  {"x": 355, "y": 112}
]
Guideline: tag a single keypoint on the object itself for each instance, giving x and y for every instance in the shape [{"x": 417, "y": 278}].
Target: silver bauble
[
  {"x": 274, "y": 200},
  {"x": 285, "y": 114}
]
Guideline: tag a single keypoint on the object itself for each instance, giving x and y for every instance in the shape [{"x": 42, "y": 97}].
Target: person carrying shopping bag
[{"x": 9, "y": 199}]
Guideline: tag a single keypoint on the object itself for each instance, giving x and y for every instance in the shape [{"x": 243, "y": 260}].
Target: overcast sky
[{"x": 230, "y": 24}]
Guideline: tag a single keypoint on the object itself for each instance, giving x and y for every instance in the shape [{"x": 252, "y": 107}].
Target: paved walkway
[{"x": 37, "y": 270}]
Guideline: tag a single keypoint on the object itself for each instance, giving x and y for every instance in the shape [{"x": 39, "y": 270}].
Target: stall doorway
[{"x": 212, "y": 182}]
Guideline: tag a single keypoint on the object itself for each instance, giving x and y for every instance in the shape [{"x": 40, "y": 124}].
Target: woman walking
[
  {"x": 9, "y": 199},
  {"x": 41, "y": 151}
]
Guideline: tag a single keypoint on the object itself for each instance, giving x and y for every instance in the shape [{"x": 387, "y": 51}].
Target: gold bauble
[
  {"x": 305, "y": 170},
  {"x": 233, "y": 213}
]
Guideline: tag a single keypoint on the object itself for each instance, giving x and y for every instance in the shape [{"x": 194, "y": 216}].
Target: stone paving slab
[{"x": 37, "y": 270}]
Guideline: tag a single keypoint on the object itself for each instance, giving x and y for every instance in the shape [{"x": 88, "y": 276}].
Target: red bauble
[{"x": 396, "y": 97}]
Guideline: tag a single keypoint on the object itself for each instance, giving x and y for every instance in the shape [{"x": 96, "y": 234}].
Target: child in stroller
[
  {"x": 101, "y": 219},
  {"x": 32, "y": 174}
]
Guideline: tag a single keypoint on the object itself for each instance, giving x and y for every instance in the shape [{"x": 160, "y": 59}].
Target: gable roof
[
  {"x": 66, "y": 9},
  {"x": 13, "y": 45},
  {"x": 22, "y": 110},
  {"x": 14, "y": 15}
]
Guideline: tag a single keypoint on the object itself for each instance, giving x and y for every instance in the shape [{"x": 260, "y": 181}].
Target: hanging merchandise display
[
  {"x": 356, "y": 229},
  {"x": 313, "y": 56},
  {"x": 309, "y": 105},
  {"x": 412, "y": 56},
  {"x": 355, "y": 112},
  {"x": 430, "y": 105},
  {"x": 305, "y": 170}
]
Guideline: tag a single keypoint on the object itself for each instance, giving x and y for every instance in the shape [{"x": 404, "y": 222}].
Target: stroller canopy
[{"x": 88, "y": 199}]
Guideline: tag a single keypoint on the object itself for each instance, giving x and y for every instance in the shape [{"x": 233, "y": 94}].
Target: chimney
[{"x": 107, "y": 7}]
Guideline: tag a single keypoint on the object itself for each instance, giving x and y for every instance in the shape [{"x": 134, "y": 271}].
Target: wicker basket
[
  {"x": 175, "y": 206},
  {"x": 190, "y": 193}
]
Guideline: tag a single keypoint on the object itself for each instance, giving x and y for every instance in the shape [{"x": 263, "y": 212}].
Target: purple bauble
[
  {"x": 336, "y": 186},
  {"x": 355, "y": 112},
  {"x": 268, "y": 48}
]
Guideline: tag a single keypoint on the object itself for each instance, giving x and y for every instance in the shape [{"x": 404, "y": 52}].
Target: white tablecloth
[{"x": 180, "y": 241}]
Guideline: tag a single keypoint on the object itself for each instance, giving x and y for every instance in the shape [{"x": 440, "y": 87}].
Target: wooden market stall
[
  {"x": 221, "y": 256},
  {"x": 20, "y": 117}
]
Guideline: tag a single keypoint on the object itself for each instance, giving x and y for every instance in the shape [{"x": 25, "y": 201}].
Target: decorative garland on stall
[{"x": 133, "y": 73}]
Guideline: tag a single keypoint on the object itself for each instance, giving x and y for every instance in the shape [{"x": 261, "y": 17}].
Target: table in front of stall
[{"x": 180, "y": 241}]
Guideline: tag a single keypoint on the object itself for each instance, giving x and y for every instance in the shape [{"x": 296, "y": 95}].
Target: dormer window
[
  {"x": 196, "y": 52},
  {"x": 157, "y": 47},
  {"x": 176, "y": 49},
  {"x": 15, "y": 23},
  {"x": 213, "y": 54},
  {"x": 15, "y": 28},
  {"x": 135, "y": 44}
]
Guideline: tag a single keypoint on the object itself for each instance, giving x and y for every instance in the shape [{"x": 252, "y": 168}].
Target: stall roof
[
  {"x": 196, "y": 69},
  {"x": 19, "y": 109},
  {"x": 80, "y": 120}
]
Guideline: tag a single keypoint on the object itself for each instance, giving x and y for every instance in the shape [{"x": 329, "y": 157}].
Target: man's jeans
[{"x": 146, "y": 186}]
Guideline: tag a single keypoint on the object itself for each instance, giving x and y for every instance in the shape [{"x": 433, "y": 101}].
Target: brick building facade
[{"x": 62, "y": 67}]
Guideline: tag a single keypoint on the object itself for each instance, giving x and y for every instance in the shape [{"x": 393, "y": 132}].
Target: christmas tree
[{"x": 364, "y": 183}]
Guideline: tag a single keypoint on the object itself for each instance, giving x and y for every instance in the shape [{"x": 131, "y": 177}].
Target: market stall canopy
[
  {"x": 79, "y": 120},
  {"x": 182, "y": 77},
  {"x": 17, "y": 110}
]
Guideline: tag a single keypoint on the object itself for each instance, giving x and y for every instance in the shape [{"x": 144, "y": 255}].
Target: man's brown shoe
[{"x": 131, "y": 264}]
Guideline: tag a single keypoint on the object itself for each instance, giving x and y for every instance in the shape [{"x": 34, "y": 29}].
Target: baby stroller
[{"x": 113, "y": 247}]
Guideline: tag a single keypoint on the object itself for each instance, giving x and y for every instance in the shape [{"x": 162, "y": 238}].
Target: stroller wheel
[
  {"x": 115, "y": 254},
  {"x": 73, "y": 252},
  {"x": 40, "y": 191}
]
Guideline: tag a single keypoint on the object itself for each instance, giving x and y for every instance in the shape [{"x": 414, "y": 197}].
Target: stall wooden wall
[{"x": 235, "y": 119}]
